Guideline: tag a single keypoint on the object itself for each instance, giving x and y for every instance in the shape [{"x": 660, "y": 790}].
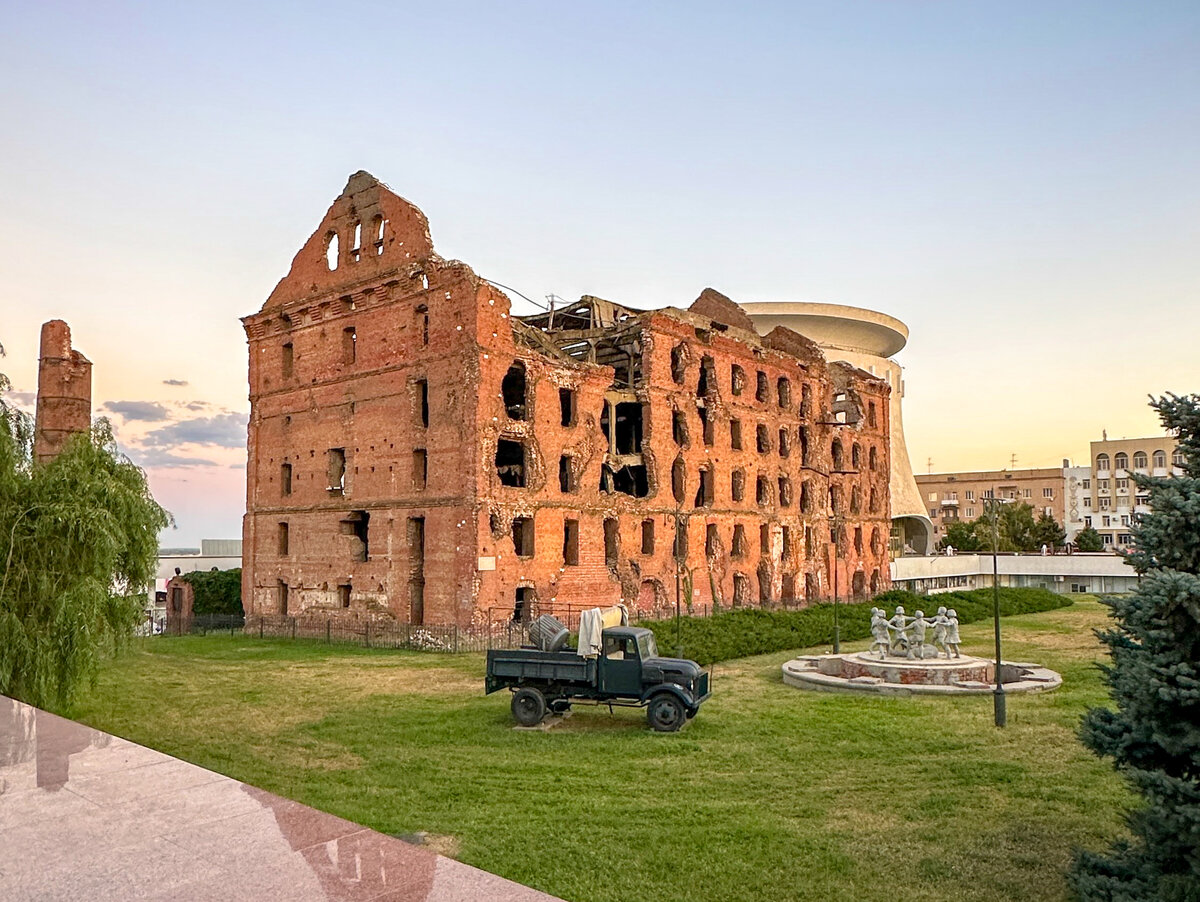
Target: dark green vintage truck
[{"x": 627, "y": 671}]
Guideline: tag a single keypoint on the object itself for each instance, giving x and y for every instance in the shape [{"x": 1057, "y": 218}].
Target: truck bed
[{"x": 511, "y": 667}]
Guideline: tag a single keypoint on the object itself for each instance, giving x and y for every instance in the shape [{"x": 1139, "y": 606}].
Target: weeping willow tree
[{"x": 78, "y": 535}]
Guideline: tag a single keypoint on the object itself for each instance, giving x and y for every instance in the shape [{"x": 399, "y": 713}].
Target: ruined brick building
[
  {"x": 416, "y": 451},
  {"x": 64, "y": 393}
]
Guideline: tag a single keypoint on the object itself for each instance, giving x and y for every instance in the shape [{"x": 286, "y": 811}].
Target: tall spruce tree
[{"x": 1153, "y": 736}]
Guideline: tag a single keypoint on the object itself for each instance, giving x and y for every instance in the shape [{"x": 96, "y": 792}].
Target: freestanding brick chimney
[{"x": 64, "y": 398}]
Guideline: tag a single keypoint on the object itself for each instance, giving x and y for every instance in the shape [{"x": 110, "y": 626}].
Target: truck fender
[{"x": 671, "y": 688}]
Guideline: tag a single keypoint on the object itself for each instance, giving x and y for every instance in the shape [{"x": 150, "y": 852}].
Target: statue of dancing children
[
  {"x": 952, "y": 640},
  {"x": 918, "y": 627},
  {"x": 899, "y": 625},
  {"x": 879, "y": 632},
  {"x": 940, "y": 624}
]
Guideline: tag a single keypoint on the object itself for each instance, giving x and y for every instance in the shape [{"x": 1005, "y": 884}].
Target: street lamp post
[
  {"x": 993, "y": 507},
  {"x": 835, "y": 522}
]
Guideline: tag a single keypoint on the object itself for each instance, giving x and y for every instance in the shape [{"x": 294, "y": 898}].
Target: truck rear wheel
[
  {"x": 528, "y": 707},
  {"x": 665, "y": 713}
]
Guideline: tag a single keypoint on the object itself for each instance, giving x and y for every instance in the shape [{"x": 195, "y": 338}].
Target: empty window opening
[
  {"x": 787, "y": 542},
  {"x": 763, "y": 439},
  {"x": 785, "y": 492},
  {"x": 873, "y": 503},
  {"x": 281, "y": 594},
  {"x": 764, "y": 539},
  {"x": 712, "y": 541},
  {"x": 331, "y": 251},
  {"x": 704, "y": 492},
  {"x": 855, "y": 456},
  {"x": 523, "y": 600},
  {"x": 627, "y": 430},
  {"x": 810, "y": 547},
  {"x": 876, "y": 541},
  {"x": 855, "y": 499},
  {"x": 679, "y": 428},
  {"x": 420, "y": 468},
  {"x": 805, "y": 498},
  {"x": 630, "y": 480},
  {"x": 706, "y": 382},
  {"x": 349, "y": 345},
  {"x": 285, "y": 479},
  {"x": 647, "y": 536},
  {"x": 859, "y": 584},
  {"x": 858, "y": 540},
  {"x": 566, "y": 404},
  {"x": 377, "y": 226},
  {"x": 356, "y": 248},
  {"x": 422, "y": 402},
  {"x": 706, "y": 425},
  {"x": 287, "y": 360},
  {"x": 612, "y": 543},
  {"x": 811, "y": 590},
  {"x": 735, "y": 435},
  {"x": 806, "y": 401},
  {"x": 566, "y": 475},
  {"x": 785, "y": 443},
  {"x": 740, "y": 546},
  {"x": 425, "y": 330},
  {"x": 571, "y": 542},
  {"x": 761, "y": 391},
  {"x": 513, "y": 390},
  {"x": 787, "y": 591},
  {"x": 337, "y": 470},
  {"x": 875, "y": 581},
  {"x": 283, "y": 539},
  {"x": 835, "y": 499},
  {"x": 358, "y": 524},
  {"x": 416, "y": 572},
  {"x": 737, "y": 380},
  {"x": 803, "y": 435},
  {"x": 872, "y": 459},
  {"x": 871, "y": 414},
  {"x": 679, "y": 359},
  {"x": 838, "y": 455},
  {"x": 510, "y": 463},
  {"x": 681, "y": 540},
  {"x": 522, "y": 536},
  {"x": 678, "y": 480},
  {"x": 762, "y": 491},
  {"x": 737, "y": 485},
  {"x": 741, "y": 589},
  {"x": 784, "y": 392},
  {"x": 764, "y": 584},
  {"x": 344, "y": 595}
]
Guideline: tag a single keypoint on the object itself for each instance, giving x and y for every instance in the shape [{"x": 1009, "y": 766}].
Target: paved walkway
[{"x": 86, "y": 815}]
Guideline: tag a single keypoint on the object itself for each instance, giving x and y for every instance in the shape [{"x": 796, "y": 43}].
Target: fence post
[
  {"x": 260, "y": 626},
  {"x": 368, "y": 634},
  {"x": 327, "y": 642},
  {"x": 293, "y": 619},
  {"x": 456, "y": 638}
]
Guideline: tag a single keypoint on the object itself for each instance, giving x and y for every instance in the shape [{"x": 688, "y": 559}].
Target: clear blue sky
[{"x": 1017, "y": 181}]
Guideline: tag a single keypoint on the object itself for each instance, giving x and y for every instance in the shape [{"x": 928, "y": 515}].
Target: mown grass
[{"x": 769, "y": 794}]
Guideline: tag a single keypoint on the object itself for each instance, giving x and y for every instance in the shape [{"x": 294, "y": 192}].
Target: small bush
[
  {"x": 751, "y": 631},
  {"x": 216, "y": 591}
]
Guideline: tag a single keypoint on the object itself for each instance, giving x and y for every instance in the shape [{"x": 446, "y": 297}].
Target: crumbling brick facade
[
  {"x": 417, "y": 452},
  {"x": 64, "y": 396}
]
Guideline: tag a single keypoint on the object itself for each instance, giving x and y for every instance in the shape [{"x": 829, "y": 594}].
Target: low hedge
[{"x": 752, "y": 631}]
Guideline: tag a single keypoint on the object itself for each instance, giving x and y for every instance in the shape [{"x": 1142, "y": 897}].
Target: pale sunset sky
[{"x": 1016, "y": 181}]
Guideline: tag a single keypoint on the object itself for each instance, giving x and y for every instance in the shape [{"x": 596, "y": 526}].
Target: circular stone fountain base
[{"x": 863, "y": 672}]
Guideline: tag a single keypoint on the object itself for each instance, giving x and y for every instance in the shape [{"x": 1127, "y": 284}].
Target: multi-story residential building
[
  {"x": 416, "y": 451},
  {"x": 1114, "y": 500},
  {"x": 951, "y": 497}
]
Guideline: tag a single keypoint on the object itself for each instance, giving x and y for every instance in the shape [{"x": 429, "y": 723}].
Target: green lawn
[{"x": 769, "y": 794}]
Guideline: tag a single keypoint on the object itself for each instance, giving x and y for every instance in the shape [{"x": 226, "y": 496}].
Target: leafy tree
[
  {"x": 216, "y": 591},
  {"x": 961, "y": 536},
  {"x": 76, "y": 535},
  {"x": 1153, "y": 736},
  {"x": 1016, "y": 525},
  {"x": 1087, "y": 539},
  {"x": 1047, "y": 531}
]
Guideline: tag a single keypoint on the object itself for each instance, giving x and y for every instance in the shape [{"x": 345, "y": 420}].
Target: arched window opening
[
  {"x": 377, "y": 226},
  {"x": 1160, "y": 459},
  {"x": 872, "y": 459},
  {"x": 1139, "y": 460},
  {"x": 838, "y": 455},
  {"x": 1101, "y": 461},
  {"x": 678, "y": 480},
  {"x": 1121, "y": 461},
  {"x": 356, "y": 248},
  {"x": 331, "y": 251}
]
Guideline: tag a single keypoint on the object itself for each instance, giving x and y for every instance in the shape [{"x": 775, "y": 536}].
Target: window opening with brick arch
[
  {"x": 872, "y": 459},
  {"x": 567, "y": 481},
  {"x": 762, "y": 439},
  {"x": 510, "y": 463},
  {"x": 806, "y": 401},
  {"x": 706, "y": 382},
  {"x": 735, "y": 434},
  {"x": 648, "y": 536},
  {"x": 679, "y": 480},
  {"x": 855, "y": 499},
  {"x": 571, "y": 543},
  {"x": 838, "y": 455},
  {"x": 855, "y": 456},
  {"x": 875, "y": 581},
  {"x": 764, "y": 583},
  {"x": 783, "y": 391},
  {"x": 356, "y": 245},
  {"x": 762, "y": 390},
  {"x": 522, "y": 536},
  {"x": 805, "y": 498},
  {"x": 287, "y": 360},
  {"x": 336, "y": 470},
  {"x": 285, "y": 479},
  {"x": 282, "y": 593},
  {"x": 712, "y": 541},
  {"x": 679, "y": 361},
  {"x": 422, "y": 313},
  {"x": 785, "y": 491},
  {"x": 858, "y": 540},
  {"x": 706, "y": 425},
  {"x": 737, "y": 485},
  {"x": 343, "y": 595},
  {"x": 421, "y": 401},
  {"x": 378, "y": 225},
  {"x": 810, "y": 548},
  {"x": 681, "y": 539},
  {"x": 741, "y": 589},
  {"x": 762, "y": 490},
  {"x": 420, "y": 468},
  {"x": 871, "y": 419},
  {"x": 331, "y": 251},
  {"x": 512, "y": 388},
  {"x": 811, "y": 590},
  {"x": 358, "y": 525},
  {"x": 787, "y": 589},
  {"x": 524, "y": 599},
  {"x": 416, "y": 570},
  {"x": 679, "y": 430},
  {"x": 835, "y": 499},
  {"x": 785, "y": 442},
  {"x": 859, "y": 584},
  {"x": 283, "y": 543},
  {"x": 786, "y": 542},
  {"x": 704, "y": 491},
  {"x": 740, "y": 547},
  {"x": 622, "y": 424},
  {"x": 764, "y": 539},
  {"x": 566, "y": 406},
  {"x": 737, "y": 380},
  {"x": 876, "y": 541},
  {"x": 612, "y": 542},
  {"x": 873, "y": 502},
  {"x": 349, "y": 345},
  {"x": 802, "y": 434}
]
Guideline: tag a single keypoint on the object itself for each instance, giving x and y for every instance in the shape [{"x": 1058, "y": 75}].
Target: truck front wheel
[
  {"x": 528, "y": 707},
  {"x": 665, "y": 713}
]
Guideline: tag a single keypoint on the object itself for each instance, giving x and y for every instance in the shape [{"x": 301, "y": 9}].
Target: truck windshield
[{"x": 647, "y": 646}]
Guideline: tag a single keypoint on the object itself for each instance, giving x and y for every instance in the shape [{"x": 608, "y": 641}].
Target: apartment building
[
  {"x": 1112, "y": 500},
  {"x": 951, "y": 497}
]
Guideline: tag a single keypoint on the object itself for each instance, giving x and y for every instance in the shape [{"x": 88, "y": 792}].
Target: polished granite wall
[{"x": 87, "y": 815}]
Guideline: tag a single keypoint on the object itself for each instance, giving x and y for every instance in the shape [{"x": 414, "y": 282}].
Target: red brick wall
[{"x": 64, "y": 399}]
